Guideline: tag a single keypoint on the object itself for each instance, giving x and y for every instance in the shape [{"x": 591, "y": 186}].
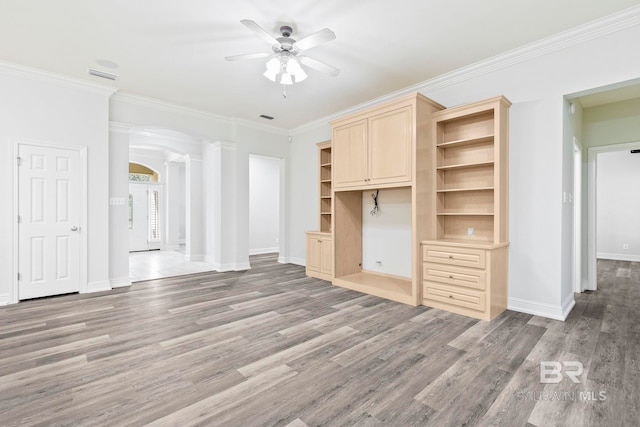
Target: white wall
[
  {"x": 386, "y": 236},
  {"x": 264, "y": 204},
  {"x": 535, "y": 79},
  {"x": 119, "y": 214},
  {"x": 303, "y": 186},
  {"x": 59, "y": 112},
  {"x": 618, "y": 211}
]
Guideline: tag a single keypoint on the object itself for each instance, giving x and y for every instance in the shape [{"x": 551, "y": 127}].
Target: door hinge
[
  {"x": 18, "y": 219},
  {"x": 18, "y": 160},
  {"x": 18, "y": 276}
]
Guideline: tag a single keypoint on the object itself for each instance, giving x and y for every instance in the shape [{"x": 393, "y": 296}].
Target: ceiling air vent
[
  {"x": 102, "y": 74},
  {"x": 264, "y": 116}
]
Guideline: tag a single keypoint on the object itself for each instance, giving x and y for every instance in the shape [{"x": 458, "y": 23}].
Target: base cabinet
[
  {"x": 465, "y": 278},
  {"x": 319, "y": 255}
]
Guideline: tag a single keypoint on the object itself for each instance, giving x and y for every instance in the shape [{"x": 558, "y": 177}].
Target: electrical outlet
[
  {"x": 625, "y": 246},
  {"x": 470, "y": 231},
  {"x": 116, "y": 201}
]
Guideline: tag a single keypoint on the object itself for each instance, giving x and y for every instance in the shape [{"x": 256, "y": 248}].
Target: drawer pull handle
[
  {"x": 450, "y": 277},
  {"x": 450, "y": 256}
]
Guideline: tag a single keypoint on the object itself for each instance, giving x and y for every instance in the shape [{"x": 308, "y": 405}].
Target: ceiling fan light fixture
[
  {"x": 273, "y": 68},
  {"x": 286, "y": 79},
  {"x": 285, "y": 63},
  {"x": 294, "y": 68}
]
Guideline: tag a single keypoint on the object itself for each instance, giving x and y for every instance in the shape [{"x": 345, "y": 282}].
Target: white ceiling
[{"x": 174, "y": 50}]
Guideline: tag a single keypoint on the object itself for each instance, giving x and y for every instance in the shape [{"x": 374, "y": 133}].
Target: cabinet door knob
[
  {"x": 450, "y": 296},
  {"x": 450, "y": 256},
  {"x": 450, "y": 277}
]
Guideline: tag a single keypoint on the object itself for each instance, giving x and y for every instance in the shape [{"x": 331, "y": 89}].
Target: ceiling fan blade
[
  {"x": 315, "y": 39},
  {"x": 260, "y": 31},
  {"x": 247, "y": 56},
  {"x": 319, "y": 66}
]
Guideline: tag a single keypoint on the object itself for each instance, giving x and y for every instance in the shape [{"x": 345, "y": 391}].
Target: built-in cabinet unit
[
  {"x": 465, "y": 263},
  {"x": 319, "y": 245},
  {"x": 363, "y": 154},
  {"x": 386, "y": 146},
  {"x": 319, "y": 255}
]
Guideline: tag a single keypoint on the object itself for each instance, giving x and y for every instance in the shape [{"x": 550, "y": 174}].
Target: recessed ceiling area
[{"x": 174, "y": 51}]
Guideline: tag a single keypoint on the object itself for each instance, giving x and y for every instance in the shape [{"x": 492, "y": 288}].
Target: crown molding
[
  {"x": 169, "y": 107},
  {"x": 608, "y": 25},
  {"x": 22, "y": 71}
]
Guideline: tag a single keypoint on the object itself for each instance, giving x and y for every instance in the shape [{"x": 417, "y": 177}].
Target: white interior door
[
  {"x": 49, "y": 209},
  {"x": 138, "y": 218}
]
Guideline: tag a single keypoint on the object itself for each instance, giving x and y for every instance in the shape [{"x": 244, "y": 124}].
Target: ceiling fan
[{"x": 284, "y": 64}]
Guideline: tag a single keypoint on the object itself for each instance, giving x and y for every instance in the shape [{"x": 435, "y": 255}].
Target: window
[
  {"x": 130, "y": 211},
  {"x": 154, "y": 226}
]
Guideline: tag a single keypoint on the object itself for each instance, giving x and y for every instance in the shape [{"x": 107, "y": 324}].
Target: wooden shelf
[
  {"x": 325, "y": 177},
  {"x": 467, "y": 141},
  {"x": 465, "y": 165},
  {"x": 465, "y": 214},
  {"x": 457, "y": 190},
  {"x": 393, "y": 288}
]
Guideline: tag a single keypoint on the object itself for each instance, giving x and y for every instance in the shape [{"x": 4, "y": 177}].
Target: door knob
[{"x": 74, "y": 228}]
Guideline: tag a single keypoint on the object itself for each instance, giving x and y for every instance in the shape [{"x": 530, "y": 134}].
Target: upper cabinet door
[
  {"x": 390, "y": 147},
  {"x": 349, "y": 150}
]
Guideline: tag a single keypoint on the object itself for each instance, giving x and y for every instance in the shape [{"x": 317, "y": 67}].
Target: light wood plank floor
[{"x": 270, "y": 346}]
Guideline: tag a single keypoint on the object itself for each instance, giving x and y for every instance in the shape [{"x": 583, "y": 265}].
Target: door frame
[
  {"x": 592, "y": 204},
  {"x": 15, "y": 144},
  {"x": 578, "y": 218}
]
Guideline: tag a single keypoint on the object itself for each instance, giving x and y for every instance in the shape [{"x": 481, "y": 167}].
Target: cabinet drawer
[
  {"x": 456, "y": 276},
  {"x": 454, "y": 256},
  {"x": 467, "y": 298}
]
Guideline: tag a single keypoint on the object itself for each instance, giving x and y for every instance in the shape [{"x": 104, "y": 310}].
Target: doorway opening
[
  {"x": 264, "y": 204},
  {"x": 614, "y": 205},
  {"x": 144, "y": 209}
]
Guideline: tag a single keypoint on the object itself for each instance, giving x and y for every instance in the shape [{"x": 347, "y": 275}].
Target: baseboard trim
[
  {"x": 4, "y": 299},
  {"x": 298, "y": 261},
  {"x": 261, "y": 251},
  {"x": 567, "y": 305},
  {"x": 618, "y": 257},
  {"x": 237, "y": 266},
  {"x": 283, "y": 259},
  {"x": 555, "y": 312},
  {"x": 193, "y": 258},
  {"x": 100, "y": 286},
  {"x": 120, "y": 282}
]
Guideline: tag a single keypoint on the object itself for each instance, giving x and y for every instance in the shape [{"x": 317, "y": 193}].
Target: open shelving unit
[
  {"x": 326, "y": 198},
  {"x": 465, "y": 262},
  {"x": 465, "y": 176},
  {"x": 319, "y": 244}
]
